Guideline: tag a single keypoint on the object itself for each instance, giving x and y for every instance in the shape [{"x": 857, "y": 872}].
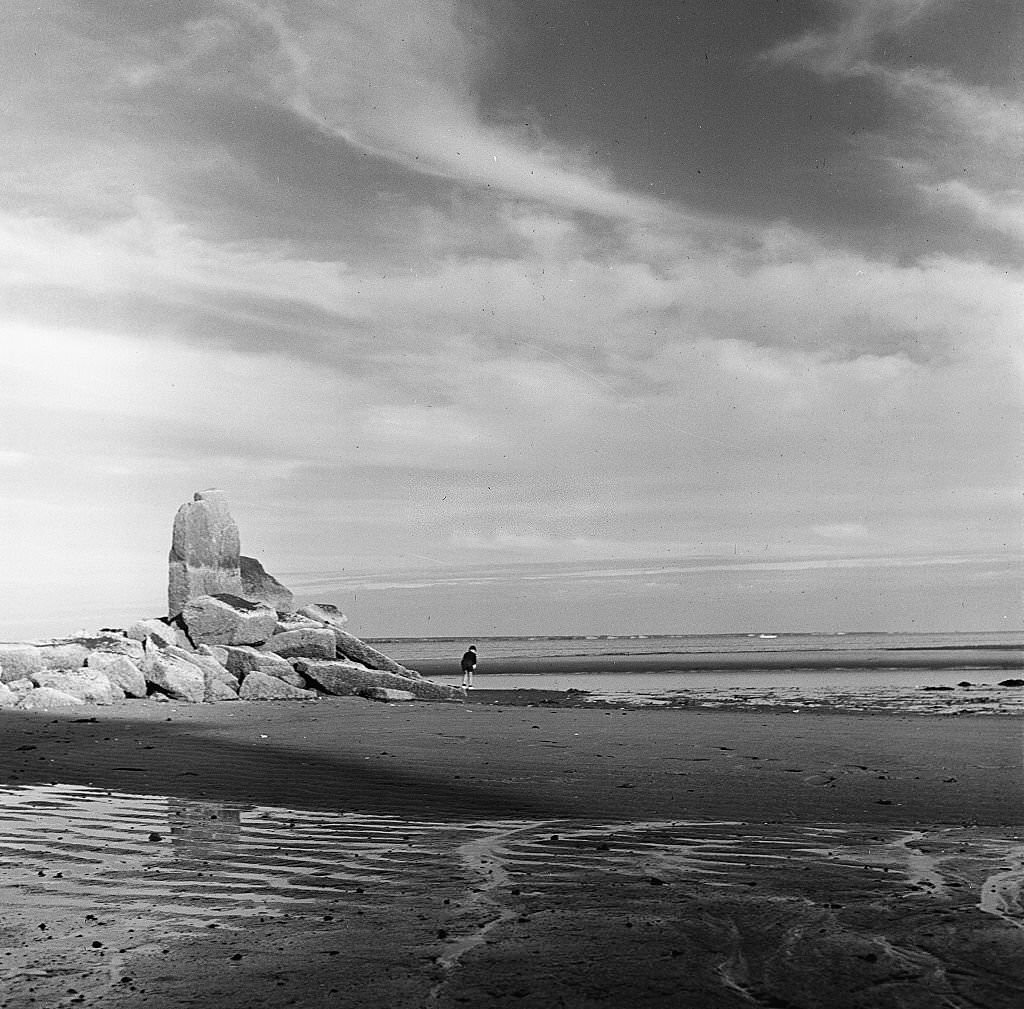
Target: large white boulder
[
  {"x": 152, "y": 628},
  {"x": 89, "y": 685},
  {"x": 345, "y": 678},
  {"x": 218, "y": 681},
  {"x": 18, "y": 660},
  {"x": 204, "y": 558},
  {"x": 175, "y": 677},
  {"x": 46, "y": 698},
  {"x": 259, "y": 686},
  {"x": 228, "y": 620},
  {"x": 120, "y": 670},
  {"x": 306, "y": 642}
]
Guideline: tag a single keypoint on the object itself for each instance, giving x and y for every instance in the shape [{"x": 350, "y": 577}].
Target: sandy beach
[{"x": 345, "y": 853}]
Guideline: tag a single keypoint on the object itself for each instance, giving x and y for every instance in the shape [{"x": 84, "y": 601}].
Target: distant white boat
[{"x": 767, "y": 635}]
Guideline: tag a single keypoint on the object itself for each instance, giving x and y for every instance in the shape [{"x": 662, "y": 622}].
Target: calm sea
[{"x": 666, "y": 661}]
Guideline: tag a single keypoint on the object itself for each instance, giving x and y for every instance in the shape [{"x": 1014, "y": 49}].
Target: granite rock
[
  {"x": 386, "y": 694},
  {"x": 63, "y": 654},
  {"x": 348, "y": 645},
  {"x": 18, "y": 661},
  {"x": 244, "y": 659},
  {"x": 204, "y": 557},
  {"x": 116, "y": 643},
  {"x": 259, "y": 686},
  {"x": 346, "y": 678},
  {"x": 89, "y": 685},
  {"x": 217, "y": 690},
  {"x": 323, "y": 613},
  {"x": 174, "y": 676},
  {"x": 154, "y": 629},
  {"x": 308, "y": 642},
  {"x": 259, "y": 586},
  {"x": 218, "y": 652},
  {"x": 226, "y": 619},
  {"x": 46, "y": 698},
  {"x": 120, "y": 670},
  {"x": 215, "y": 676}
]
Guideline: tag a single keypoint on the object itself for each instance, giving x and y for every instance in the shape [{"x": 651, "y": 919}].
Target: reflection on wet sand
[{"x": 100, "y": 887}]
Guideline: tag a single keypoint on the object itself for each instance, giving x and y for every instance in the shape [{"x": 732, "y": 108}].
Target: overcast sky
[{"x": 518, "y": 317}]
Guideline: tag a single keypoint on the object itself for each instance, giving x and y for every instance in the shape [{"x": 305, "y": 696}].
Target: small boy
[{"x": 468, "y": 667}]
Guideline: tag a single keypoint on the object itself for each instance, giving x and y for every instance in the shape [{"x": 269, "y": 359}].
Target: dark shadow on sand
[{"x": 186, "y": 760}]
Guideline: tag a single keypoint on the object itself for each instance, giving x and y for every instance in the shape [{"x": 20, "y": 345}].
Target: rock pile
[
  {"x": 221, "y": 648},
  {"x": 205, "y": 558},
  {"x": 231, "y": 633}
]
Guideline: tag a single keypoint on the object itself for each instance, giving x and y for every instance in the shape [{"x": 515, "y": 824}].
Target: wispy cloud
[
  {"x": 848, "y": 46},
  {"x": 960, "y": 140},
  {"x": 394, "y": 79}
]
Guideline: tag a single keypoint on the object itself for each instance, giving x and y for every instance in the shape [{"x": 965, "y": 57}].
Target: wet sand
[
  {"x": 344, "y": 853},
  {"x": 978, "y": 659}
]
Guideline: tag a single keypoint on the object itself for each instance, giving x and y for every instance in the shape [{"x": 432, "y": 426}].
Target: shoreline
[{"x": 1009, "y": 658}]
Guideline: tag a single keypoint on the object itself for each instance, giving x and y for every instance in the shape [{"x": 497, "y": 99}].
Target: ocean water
[{"x": 644, "y": 663}]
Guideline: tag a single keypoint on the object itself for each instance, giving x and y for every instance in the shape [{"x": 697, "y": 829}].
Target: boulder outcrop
[
  {"x": 204, "y": 557},
  {"x": 231, "y": 633},
  {"x": 112, "y": 666}
]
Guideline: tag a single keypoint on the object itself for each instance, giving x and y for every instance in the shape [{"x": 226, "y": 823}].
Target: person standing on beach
[{"x": 468, "y": 667}]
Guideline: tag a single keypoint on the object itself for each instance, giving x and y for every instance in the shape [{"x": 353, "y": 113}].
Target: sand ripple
[{"x": 94, "y": 882}]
